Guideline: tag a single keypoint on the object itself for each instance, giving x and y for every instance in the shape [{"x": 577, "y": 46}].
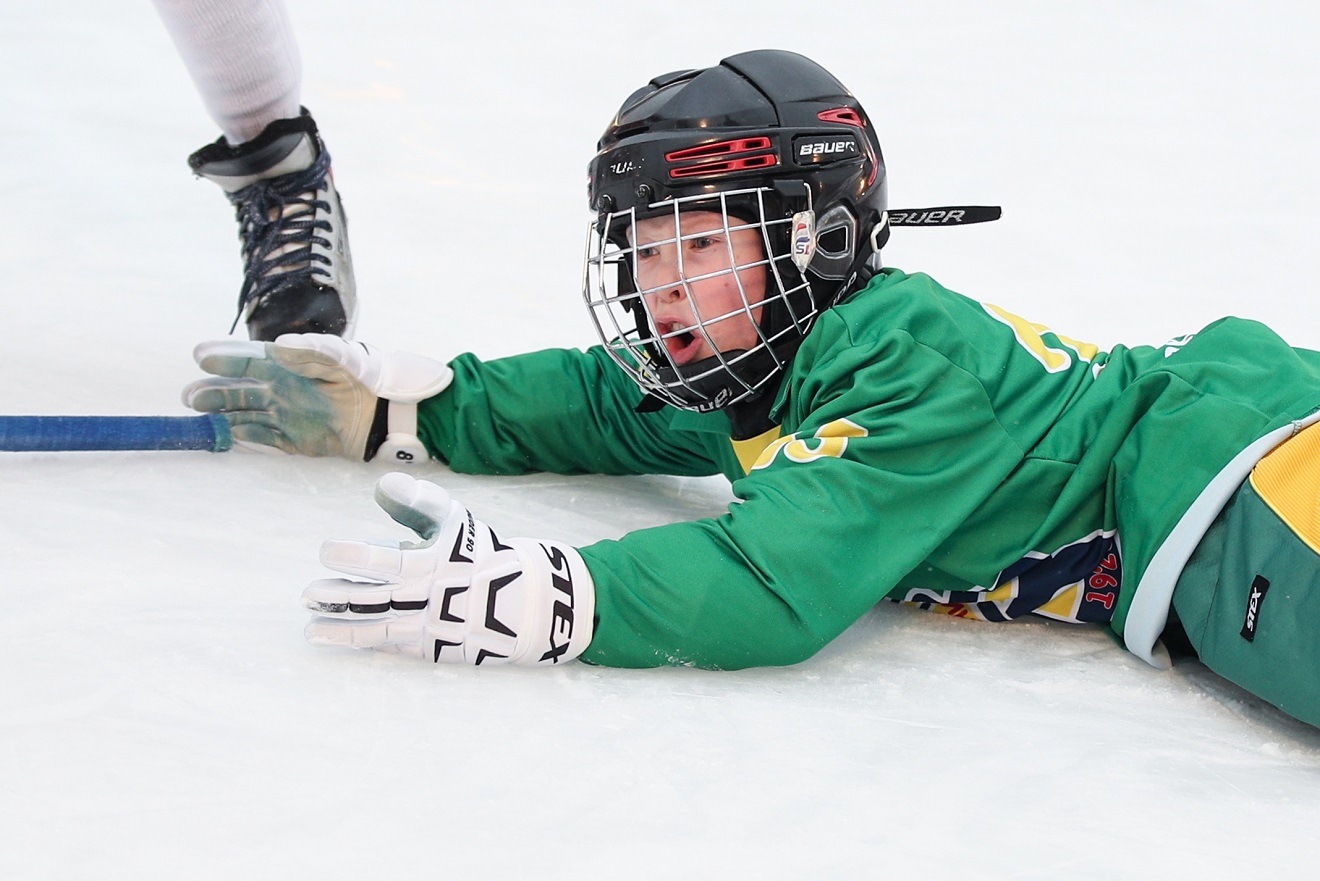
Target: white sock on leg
[{"x": 242, "y": 56}]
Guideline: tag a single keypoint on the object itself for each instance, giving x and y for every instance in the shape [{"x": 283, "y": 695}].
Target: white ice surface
[{"x": 161, "y": 716}]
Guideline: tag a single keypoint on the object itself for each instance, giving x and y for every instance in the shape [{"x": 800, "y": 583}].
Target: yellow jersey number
[
  {"x": 1055, "y": 359},
  {"x": 829, "y": 441}
]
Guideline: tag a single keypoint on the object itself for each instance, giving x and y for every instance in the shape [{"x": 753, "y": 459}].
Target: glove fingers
[
  {"x": 350, "y": 634},
  {"x": 341, "y": 598},
  {"x": 229, "y": 357},
  {"x": 345, "y": 598},
  {"x": 311, "y": 366},
  {"x": 249, "y": 411},
  {"x": 402, "y": 635},
  {"x": 263, "y": 433},
  {"x": 419, "y": 505},
  {"x": 330, "y": 347},
  {"x": 227, "y": 395},
  {"x": 248, "y": 406},
  {"x": 367, "y": 560},
  {"x": 315, "y": 356},
  {"x": 321, "y": 356}
]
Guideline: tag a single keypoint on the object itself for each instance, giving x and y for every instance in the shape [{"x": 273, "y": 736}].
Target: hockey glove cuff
[{"x": 461, "y": 595}]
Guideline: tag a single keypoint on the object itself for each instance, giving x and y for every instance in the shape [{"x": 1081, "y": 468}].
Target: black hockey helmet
[{"x": 770, "y": 141}]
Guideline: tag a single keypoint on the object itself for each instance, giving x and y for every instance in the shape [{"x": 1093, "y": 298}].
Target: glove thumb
[{"x": 417, "y": 504}]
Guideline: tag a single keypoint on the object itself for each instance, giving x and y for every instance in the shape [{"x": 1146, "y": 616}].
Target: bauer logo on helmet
[{"x": 814, "y": 150}]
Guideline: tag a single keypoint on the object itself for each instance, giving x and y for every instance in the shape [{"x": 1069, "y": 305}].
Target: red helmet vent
[
  {"x": 723, "y": 157},
  {"x": 765, "y": 160},
  {"x": 721, "y": 148},
  {"x": 845, "y": 115}
]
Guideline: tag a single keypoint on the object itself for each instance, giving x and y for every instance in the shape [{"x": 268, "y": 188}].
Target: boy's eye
[
  {"x": 702, "y": 242},
  {"x": 645, "y": 252}
]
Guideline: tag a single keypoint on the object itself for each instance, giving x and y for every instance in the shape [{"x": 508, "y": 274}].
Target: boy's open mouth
[{"x": 681, "y": 344}]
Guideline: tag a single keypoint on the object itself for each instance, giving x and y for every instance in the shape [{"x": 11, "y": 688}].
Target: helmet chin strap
[
  {"x": 879, "y": 236},
  {"x": 949, "y": 215},
  {"x": 750, "y": 417}
]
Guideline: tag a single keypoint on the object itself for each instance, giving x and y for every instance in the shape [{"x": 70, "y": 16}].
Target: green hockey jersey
[{"x": 930, "y": 449}]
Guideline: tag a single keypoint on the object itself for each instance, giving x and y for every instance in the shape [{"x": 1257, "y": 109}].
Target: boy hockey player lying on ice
[{"x": 886, "y": 437}]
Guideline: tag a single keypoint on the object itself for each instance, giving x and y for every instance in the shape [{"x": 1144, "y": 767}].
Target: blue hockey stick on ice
[{"x": 55, "y": 433}]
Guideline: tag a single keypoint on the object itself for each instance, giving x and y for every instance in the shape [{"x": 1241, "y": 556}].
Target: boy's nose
[
  {"x": 667, "y": 292},
  {"x": 663, "y": 280},
  {"x": 657, "y": 300}
]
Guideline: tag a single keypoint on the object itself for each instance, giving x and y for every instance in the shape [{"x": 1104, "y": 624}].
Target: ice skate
[{"x": 297, "y": 269}]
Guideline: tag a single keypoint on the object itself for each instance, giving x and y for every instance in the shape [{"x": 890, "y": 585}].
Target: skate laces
[{"x": 278, "y": 225}]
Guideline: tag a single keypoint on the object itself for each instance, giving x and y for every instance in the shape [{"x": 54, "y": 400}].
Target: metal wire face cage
[{"x": 702, "y": 311}]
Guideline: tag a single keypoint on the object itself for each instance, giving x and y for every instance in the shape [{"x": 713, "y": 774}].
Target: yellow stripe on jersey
[
  {"x": 749, "y": 450},
  {"x": 1064, "y": 605},
  {"x": 1288, "y": 480},
  {"x": 1030, "y": 337},
  {"x": 1003, "y": 594}
]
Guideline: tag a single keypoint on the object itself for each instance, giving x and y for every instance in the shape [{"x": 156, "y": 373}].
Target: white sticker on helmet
[{"x": 804, "y": 238}]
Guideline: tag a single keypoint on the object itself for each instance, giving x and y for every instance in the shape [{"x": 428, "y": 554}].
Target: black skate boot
[{"x": 297, "y": 269}]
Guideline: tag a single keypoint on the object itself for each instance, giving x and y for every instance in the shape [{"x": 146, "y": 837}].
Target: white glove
[
  {"x": 317, "y": 394},
  {"x": 461, "y": 595}
]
